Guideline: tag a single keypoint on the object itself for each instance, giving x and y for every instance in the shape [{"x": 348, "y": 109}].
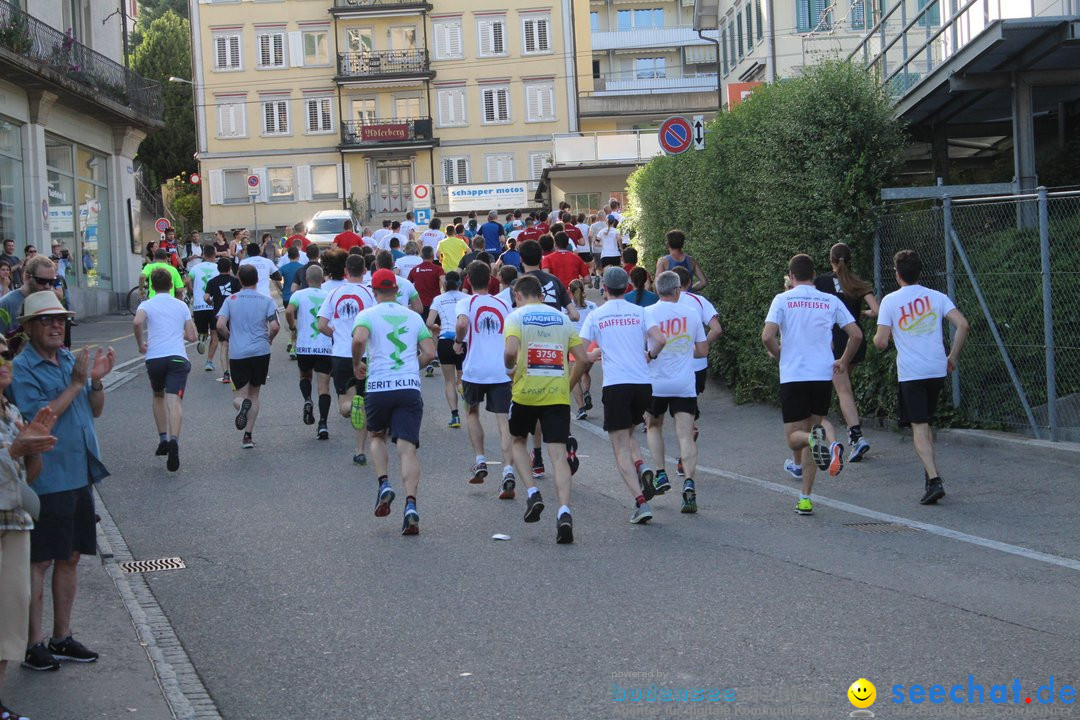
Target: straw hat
[{"x": 42, "y": 303}]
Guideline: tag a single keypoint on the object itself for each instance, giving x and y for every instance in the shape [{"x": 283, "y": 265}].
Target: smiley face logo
[{"x": 862, "y": 693}]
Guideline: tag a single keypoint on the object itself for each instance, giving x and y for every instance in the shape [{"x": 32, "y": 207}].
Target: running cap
[
  {"x": 384, "y": 279},
  {"x": 616, "y": 278}
]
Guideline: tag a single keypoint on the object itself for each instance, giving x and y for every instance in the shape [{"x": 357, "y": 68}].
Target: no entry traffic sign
[
  {"x": 253, "y": 185},
  {"x": 676, "y": 136}
]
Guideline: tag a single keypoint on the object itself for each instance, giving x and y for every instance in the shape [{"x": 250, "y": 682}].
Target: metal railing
[
  {"x": 382, "y": 131},
  {"x": 651, "y": 83},
  {"x": 386, "y": 62},
  {"x": 604, "y": 147},
  {"x": 378, "y": 4},
  {"x": 909, "y": 42},
  {"x": 100, "y": 77},
  {"x": 1012, "y": 266}
]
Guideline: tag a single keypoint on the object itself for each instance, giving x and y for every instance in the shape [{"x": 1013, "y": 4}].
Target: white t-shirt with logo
[
  {"x": 620, "y": 329},
  {"x": 200, "y": 274},
  {"x": 309, "y": 341},
  {"x": 341, "y": 308},
  {"x": 406, "y": 292},
  {"x": 394, "y": 335},
  {"x": 701, "y": 305},
  {"x": 915, "y": 314},
  {"x": 407, "y": 228},
  {"x": 431, "y": 238},
  {"x": 583, "y": 312},
  {"x": 165, "y": 320},
  {"x": 446, "y": 306},
  {"x": 265, "y": 267},
  {"x": 806, "y": 317},
  {"x": 404, "y": 264},
  {"x": 672, "y": 371},
  {"x": 609, "y": 242},
  {"x": 484, "y": 339}
]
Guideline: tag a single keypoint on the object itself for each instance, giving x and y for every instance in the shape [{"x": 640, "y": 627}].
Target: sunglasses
[
  {"x": 44, "y": 281},
  {"x": 51, "y": 319},
  {"x": 6, "y": 355}
]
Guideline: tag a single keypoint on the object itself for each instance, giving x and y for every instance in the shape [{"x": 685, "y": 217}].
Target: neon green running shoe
[
  {"x": 358, "y": 416},
  {"x": 805, "y": 506}
]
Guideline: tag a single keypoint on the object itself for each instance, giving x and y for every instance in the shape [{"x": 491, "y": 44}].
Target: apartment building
[
  {"x": 349, "y": 103},
  {"x": 71, "y": 119}
]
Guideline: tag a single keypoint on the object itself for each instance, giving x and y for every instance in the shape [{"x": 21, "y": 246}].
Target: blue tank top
[{"x": 673, "y": 263}]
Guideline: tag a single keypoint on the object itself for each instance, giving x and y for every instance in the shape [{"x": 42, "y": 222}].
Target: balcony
[
  {"x": 385, "y": 67},
  {"x": 388, "y": 134},
  {"x": 665, "y": 38},
  {"x": 37, "y": 56},
  {"x": 667, "y": 91},
  {"x": 373, "y": 8},
  {"x": 604, "y": 148}
]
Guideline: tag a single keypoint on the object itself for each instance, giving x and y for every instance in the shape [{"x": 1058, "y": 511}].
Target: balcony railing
[
  {"x": 378, "y": 5},
  {"x": 387, "y": 131},
  {"x": 96, "y": 75},
  {"x": 382, "y": 64},
  {"x": 604, "y": 147},
  {"x": 652, "y": 37},
  {"x": 652, "y": 83}
]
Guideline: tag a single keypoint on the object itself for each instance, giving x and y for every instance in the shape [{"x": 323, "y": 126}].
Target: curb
[{"x": 1068, "y": 452}]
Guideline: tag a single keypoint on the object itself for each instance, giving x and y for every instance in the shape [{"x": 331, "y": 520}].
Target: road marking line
[{"x": 945, "y": 532}]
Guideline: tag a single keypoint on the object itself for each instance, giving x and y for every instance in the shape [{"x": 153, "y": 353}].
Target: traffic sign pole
[{"x": 253, "y": 191}]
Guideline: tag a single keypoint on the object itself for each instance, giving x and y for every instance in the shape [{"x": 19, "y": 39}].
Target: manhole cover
[
  {"x": 880, "y": 527},
  {"x": 141, "y": 566}
]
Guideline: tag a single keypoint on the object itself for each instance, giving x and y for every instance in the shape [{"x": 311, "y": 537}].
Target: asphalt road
[{"x": 297, "y": 602}]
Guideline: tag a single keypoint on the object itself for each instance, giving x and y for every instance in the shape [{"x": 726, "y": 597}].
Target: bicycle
[{"x": 134, "y": 298}]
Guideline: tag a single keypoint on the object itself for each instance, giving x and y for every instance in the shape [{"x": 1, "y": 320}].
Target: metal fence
[{"x": 1012, "y": 266}]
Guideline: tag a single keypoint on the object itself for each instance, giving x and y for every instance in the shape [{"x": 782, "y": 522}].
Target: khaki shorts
[{"x": 14, "y": 593}]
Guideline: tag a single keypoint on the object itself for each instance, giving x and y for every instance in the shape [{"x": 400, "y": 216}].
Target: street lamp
[{"x": 174, "y": 79}]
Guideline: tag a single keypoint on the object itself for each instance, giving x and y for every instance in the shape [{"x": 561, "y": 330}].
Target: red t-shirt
[
  {"x": 542, "y": 228},
  {"x": 574, "y": 234},
  {"x": 565, "y": 265},
  {"x": 628, "y": 268},
  {"x": 425, "y": 277},
  {"x": 529, "y": 233},
  {"x": 348, "y": 240},
  {"x": 293, "y": 239},
  {"x": 493, "y": 286}
]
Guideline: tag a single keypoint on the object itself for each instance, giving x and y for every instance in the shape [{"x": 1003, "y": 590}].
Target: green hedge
[{"x": 796, "y": 168}]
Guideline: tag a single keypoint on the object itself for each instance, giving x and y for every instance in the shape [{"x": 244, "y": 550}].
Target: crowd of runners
[{"x": 501, "y": 310}]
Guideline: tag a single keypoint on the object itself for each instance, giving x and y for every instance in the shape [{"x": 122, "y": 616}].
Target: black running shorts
[
  {"x": 315, "y": 363},
  {"x": 625, "y": 405},
  {"x": 252, "y": 370},
  {"x": 918, "y": 400},
  {"x": 497, "y": 394},
  {"x": 399, "y": 411},
  {"x": 204, "y": 319},
  {"x": 672, "y": 405},
  {"x": 445, "y": 352},
  {"x": 801, "y": 400},
  {"x": 341, "y": 370},
  {"x": 609, "y": 261},
  {"x": 168, "y": 374},
  {"x": 554, "y": 421}
]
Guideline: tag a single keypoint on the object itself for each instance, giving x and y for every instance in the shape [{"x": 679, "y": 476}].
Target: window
[
  {"x": 933, "y": 15},
  {"x": 638, "y": 19},
  {"x": 738, "y": 33},
  {"x": 813, "y": 15},
  {"x": 749, "y": 30},
  {"x": 723, "y": 46},
  {"x": 449, "y": 44},
  {"x": 451, "y": 107},
  {"x": 363, "y": 110},
  {"x": 732, "y": 60},
  {"x": 407, "y": 108},
  {"x": 650, "y": 68},
  {"x": 275, "y": 117},
  {"x": 227, "y": 51},
  {"x": 360, "y": 40},
  {"x": 594, "y": 21},
  {"x": 536, "y": 33},
  {"x": 316, "y": 48},
  {"x": 12, "y": 182},
  {"x": 271, "y": 50},
  {"x": 537, "y": 162},
  {"x": 455, "y": 171},
  {"x": 857, "y": 15},
  {"x": 324, "y": 182},
  {"x": 500, "y": 168},
  {"x": 491, "y": 32},
  {"x": 757, "y": 12},
  {"x": 319, "y": 117},
  {"x": 232, "y": 118},
  {"x": 281, "y": 184},
  {"x": 540, "y": 101},
  {"x": 403, "y": 38},
  {"x": 587, "y": 203},
  {"x": 496, "y": 102},
  {"x": 235, "y": 186}
]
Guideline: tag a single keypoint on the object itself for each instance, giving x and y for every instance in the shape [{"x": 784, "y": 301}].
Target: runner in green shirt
[{"x": 161, "y": 260}]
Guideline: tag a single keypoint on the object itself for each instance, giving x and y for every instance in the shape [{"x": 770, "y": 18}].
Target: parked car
[{"x": 326, "y": 224}]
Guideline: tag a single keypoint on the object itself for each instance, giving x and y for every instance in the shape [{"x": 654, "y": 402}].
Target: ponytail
[
  {"x": 852, "y": 285},
  {"x": 577, "y": 291}
]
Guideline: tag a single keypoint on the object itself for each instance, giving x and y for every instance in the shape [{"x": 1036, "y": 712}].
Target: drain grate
[
  {"x": 141, "y": 566},
  {"x": 880, "y": 527}
]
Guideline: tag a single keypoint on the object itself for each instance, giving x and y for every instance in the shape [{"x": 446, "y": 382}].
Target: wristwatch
[{"x": 99, "y": 386}]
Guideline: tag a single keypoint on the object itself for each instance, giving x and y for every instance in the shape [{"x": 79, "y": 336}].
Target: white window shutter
[
  {"x": 457, "y": 100},
  {"x": 492, "y": 162},
  {"x": 443, "y": 103},
  {"x": 454, "y": 40},
  {"x": 234, "y": 51},
  {"x": 485, "y": 32},
  {"x": 498, "y": 36},
  {"x": 532, "y": 105},
  {"x": 217, "y": 187},
  {"x": 263, "y": 193},
  {"x": 303, "y": 183},
  {"x": 347, "y": 191},
  {"x": 296, "y": 49}
]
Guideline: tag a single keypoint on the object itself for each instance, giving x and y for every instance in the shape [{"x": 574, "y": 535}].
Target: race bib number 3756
[{"x": 546, "y": 360}]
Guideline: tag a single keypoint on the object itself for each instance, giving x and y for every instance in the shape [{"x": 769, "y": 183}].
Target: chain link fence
[{"x": 1012, "y": 266}]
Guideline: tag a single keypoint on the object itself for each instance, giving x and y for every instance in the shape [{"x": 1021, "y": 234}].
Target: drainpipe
[
  {"x": 719, "y": 74},
  {"x": 770, "y": 43}
]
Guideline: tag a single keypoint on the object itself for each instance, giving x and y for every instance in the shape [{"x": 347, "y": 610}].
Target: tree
[
  {"x": 165, "y": 51},
  {"x": 151, "y": 10}
]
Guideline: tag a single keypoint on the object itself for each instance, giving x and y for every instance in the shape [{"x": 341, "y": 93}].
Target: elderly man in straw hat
[{"x": 46, "y": 374}]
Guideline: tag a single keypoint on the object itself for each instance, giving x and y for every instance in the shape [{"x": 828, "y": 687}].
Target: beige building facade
[{"x": 349, "y": 103}]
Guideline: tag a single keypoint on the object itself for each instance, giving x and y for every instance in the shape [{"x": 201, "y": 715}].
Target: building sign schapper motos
[{"x": 382, "y": 133}]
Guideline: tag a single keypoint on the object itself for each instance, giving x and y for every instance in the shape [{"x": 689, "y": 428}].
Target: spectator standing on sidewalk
[
  {"x": 47, "y": 375},
  {"x": 20, "y": 461},
  {"x": 39, "y": 273}
]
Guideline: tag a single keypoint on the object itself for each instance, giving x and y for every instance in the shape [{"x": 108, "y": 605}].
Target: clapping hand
[
  {"x": 34, "y": 437},
  {"x": 103, "y": 364}
]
